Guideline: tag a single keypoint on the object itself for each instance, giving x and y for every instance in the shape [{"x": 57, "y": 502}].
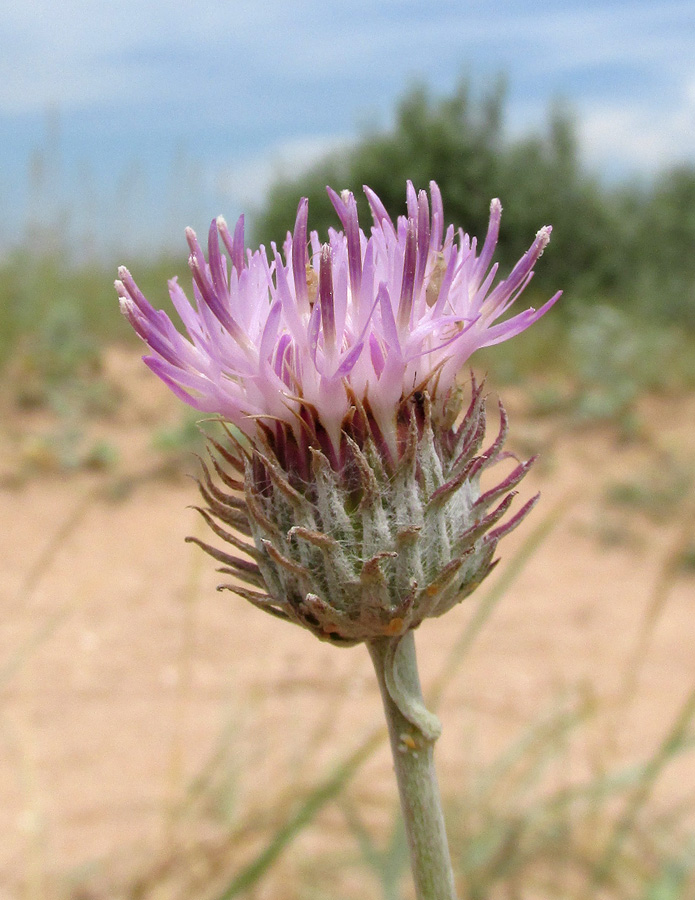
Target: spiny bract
[{"x": 364, "y": 551}]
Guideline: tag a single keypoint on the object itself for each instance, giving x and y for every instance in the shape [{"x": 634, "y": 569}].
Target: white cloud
[
  {"x": 243, "y": 75},
  {"x": 243, "y": 184},
  {"x": 635, "y": 34},
  {"x": 78, "y": 51},
  {"x": 631, "y": 136}
]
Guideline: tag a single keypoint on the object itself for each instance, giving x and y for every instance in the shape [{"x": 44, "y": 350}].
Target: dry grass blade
[
  {"x": 666, "y": 577},
  {"x": 322, "y": 794},
  {"x": 388, "y": 863},
  {"x": 513, "y": 568},
  {"x": 49, "y": 552},
  {"x": 674, "y": 742},
  {"x": 33, "y": 579}
]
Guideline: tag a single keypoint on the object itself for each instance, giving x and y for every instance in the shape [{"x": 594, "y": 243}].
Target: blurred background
[{"x": 149, "y": 743}]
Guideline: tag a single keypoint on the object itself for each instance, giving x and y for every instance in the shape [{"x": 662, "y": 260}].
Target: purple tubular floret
[
  {"x": 158, "y": 342},
  {"x": 226, "y": 237},
  {"x": 480, "y": 295},
  {"x": 491, "y": 239},
  {"x": 186, "y": 312},
  {"x": 381, "y": 217},
  {"x": 388, "y": 322},
  {"x": 521, "y": 270},
  {"x": 495, "y": 334},
  {"x": 154, "y": 326},
  {"x": 447, "y": 280},
  {"x": 411, "y": 200},
  {"x": 347, "y": 363},
  {"x": 134, "y": 292},
  {"x": 196, "y": 259},
  {"x": 326, "y": 297},
  {"x": 376, "y": 355},
  {"x": 346, "y": 208},
  {"x": 313, "y": 332},
  {"x": 201, "y": 278},
  {"x": 217, "y": 265},
  {"x": 437, "y": 217},
  {"x": 404, "y": 305},
  {"x": 270, "y": 331},
  {"x": 238, "y": 245},
  {"x": 234, "y": 245},
  {"x": 200, "y": 402},
  {"x": 289, "y": 307},
  {"x": 280, "y": 364},
  {"x": 423, "y": 241},
  {"x": 299, "y": 254}
]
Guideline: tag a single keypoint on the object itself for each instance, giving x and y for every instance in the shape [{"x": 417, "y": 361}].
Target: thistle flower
[
  {"x": 351, "y": 485},
  {"x": 355, "y": 489}
]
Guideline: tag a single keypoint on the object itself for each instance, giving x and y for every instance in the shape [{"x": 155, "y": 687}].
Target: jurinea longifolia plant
[
  {"x": 350, "y": 480},
  {"x": 338, "y": 362}
]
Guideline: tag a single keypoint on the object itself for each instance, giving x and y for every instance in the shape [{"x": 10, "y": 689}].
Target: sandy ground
[{"x": 122, "y": 669}]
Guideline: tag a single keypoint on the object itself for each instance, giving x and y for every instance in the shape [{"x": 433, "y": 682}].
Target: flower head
[
  {"x": 296, "y": 342},
  {"x": 356, "y": 501}
]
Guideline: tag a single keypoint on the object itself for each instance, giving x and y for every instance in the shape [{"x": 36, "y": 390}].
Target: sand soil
[{"x": 123, "y": 670}]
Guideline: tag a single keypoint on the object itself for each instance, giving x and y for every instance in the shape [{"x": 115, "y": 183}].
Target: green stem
[{"x": 413, "y": 731}]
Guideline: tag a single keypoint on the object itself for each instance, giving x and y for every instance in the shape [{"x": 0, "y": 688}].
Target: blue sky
[{"x": 138, "y": 117}]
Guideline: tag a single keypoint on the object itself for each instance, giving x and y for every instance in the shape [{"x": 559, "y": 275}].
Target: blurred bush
[
  {"x": 56, "y": 313},
  {"x": 623, "y": 254},
  {"x": 631, "y": 245}
]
